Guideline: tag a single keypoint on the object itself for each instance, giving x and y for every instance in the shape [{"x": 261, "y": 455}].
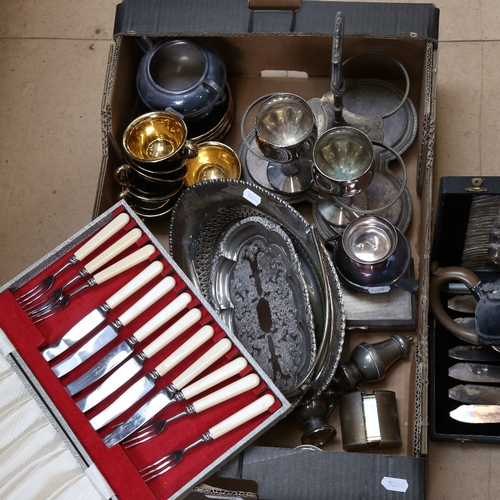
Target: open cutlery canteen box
[
  {"x": 267, "y": 47},
  {"x": 465, "y": 235}
]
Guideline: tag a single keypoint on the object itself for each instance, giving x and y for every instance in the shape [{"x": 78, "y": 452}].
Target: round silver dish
[
  {"x": 202, "y": 214},
  {"x": 372, "y": 97}
]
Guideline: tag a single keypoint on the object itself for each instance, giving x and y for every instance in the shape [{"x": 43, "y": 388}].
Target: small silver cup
[
  {"x": 343, "y": 161},
  {"x": 285, "y": 132}
]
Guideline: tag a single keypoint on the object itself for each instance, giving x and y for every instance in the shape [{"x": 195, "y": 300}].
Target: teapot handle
[{"x": 442, "y": 275}]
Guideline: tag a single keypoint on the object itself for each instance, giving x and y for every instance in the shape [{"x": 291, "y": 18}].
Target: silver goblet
[{"x": 286, "y": 132}]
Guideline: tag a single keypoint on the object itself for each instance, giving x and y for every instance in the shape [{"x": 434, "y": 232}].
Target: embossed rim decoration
[
  {"x": 204, "y": 209},
  {"x": 269, "y": 309}
]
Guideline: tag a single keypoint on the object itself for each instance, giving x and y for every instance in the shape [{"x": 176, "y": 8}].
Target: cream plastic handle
[
  {"x": 179, "y": 327},
  {"x": 150, "y": 298},
  {"x": 241, "y": 417},
  {"x": 197, "y": 340},
  {"x": 202, "y": 363},
  {"x": 229, "y": 391},
  {"x": 153, "y": 270},
  {"x": 115, "y": 249},
  {"x": 216, "y": 377},
  {"x": 103, "y": 235},
  {"x": 167, "y": 313},
  {"x": 121, "y": 266}
]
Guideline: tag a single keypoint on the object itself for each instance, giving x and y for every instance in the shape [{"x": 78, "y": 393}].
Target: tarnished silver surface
[
  {"x": 475, "y": 372},
  {"x": 205, "y": 209},
  {"x": 259, "y": 290},
  {"x": 477, "y": 414},
  {"x": 475, "y": 394}
]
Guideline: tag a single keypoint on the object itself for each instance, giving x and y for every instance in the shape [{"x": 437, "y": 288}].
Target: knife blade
[
  {"x": 126, "y": 348},
  {"x": 481, "y": 353},
  {"x": 172, "y": 394},
  {"x": 463, "y": 304},
  {"x": 220, "y": 396},
  {"x": 127, "y": 370},
  {"x": 477, "y": 414},
  {"x": 110, "y": 332},
  {"x": 146, "y": 384},
  {"x": 475, "y": 394},
  {"x": 475, "y": 372},
  {"x": 98, "y": 315}
]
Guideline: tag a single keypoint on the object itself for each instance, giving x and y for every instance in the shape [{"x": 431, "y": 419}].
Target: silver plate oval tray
[{"x": 204, "y": 213}]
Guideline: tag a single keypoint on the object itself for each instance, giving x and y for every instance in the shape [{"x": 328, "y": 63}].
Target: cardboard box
[
  {"x": 463, "y": 215},
  {"x": 270, "y": 50},
  {"x": 21, "y": 342}
]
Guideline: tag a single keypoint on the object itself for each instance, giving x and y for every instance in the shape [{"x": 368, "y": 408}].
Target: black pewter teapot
[{"x": 487, "y": 312}]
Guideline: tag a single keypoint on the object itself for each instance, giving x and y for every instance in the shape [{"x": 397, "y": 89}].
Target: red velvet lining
[{"x": 119, "y": 466}]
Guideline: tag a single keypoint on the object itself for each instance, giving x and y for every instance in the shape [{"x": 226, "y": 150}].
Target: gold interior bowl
[
  {"x": 154, "y": 137},
  {"x": 215, "y": 160}
]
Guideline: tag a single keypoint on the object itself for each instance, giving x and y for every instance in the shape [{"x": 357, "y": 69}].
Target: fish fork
[
  {"x": 126, "y": 263},
  {"x": 242, "y": 416},
  {"x": 38, "y": 306},
  {"x": 103, "y": 258},
  {"x": 96, "y": 241},
  {"x": 225, "y": 393}
]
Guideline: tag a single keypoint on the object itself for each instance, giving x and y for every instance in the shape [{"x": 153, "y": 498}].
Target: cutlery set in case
[
  {"x": 129, "y": 341},
  {"x": 464, "y": 365}
]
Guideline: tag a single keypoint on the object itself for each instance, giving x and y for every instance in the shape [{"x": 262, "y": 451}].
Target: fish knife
[
  {"x": 477, "y": 414},
  {"x": 475, "y": 372},
  {"x": 128, "y": 369},
  {"x": 126, "y": 348},
  {"x": 475, "y": 394},
  {"x": 98, "y": 315},
  {"x": 147, "y": 383},
  {"x": 110, "y": 332},
  {"x": 172, "y": 394},
  {"x": 215, "y": 398},
  {"x": 481, "y": 353}
]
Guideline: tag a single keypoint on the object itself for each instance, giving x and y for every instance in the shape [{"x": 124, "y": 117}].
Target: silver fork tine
[
  {"x": 246, "y": 414},
  {"x": 96, "y": 241},
  {"x": 169, "y": 461}
]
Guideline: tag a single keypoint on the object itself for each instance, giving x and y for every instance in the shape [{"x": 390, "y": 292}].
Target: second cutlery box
[
  {"x": 467, "y": 216},
  {"x": 120, "y": 467}
]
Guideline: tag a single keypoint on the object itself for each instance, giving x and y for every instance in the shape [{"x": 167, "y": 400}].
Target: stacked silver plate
[{"x": 224, "y": 235}]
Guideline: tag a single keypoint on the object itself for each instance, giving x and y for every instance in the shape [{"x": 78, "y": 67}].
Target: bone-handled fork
[
  {"x": 242, "y": 416},
  {"x": 121, "y": 266},
  {"x": 95, "y": 264},
  {"x": 109, "y": 230},
  {"x": 220, "y": 396}
]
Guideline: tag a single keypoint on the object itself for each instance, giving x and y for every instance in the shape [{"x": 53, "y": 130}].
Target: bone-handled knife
[
  {"x": 477, "y": 414},
  {"x": 475, "y": 372},
  {"x": 126, "y": 348},
  {"x": 125, "y": 372},
  {"x": 146, "y": 384},
  {"x": 174, "y": 393},
  {"x": 226, "y": 393},
  {"x": 475, "y": 394},
  {"x": 98, "y": 315},
  {"x": 110, "y": 332},
  {"x": 112, "y": 251}
]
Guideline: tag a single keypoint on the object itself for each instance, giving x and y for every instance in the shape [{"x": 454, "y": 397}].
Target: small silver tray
[{"x": 259, "y": 290}]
